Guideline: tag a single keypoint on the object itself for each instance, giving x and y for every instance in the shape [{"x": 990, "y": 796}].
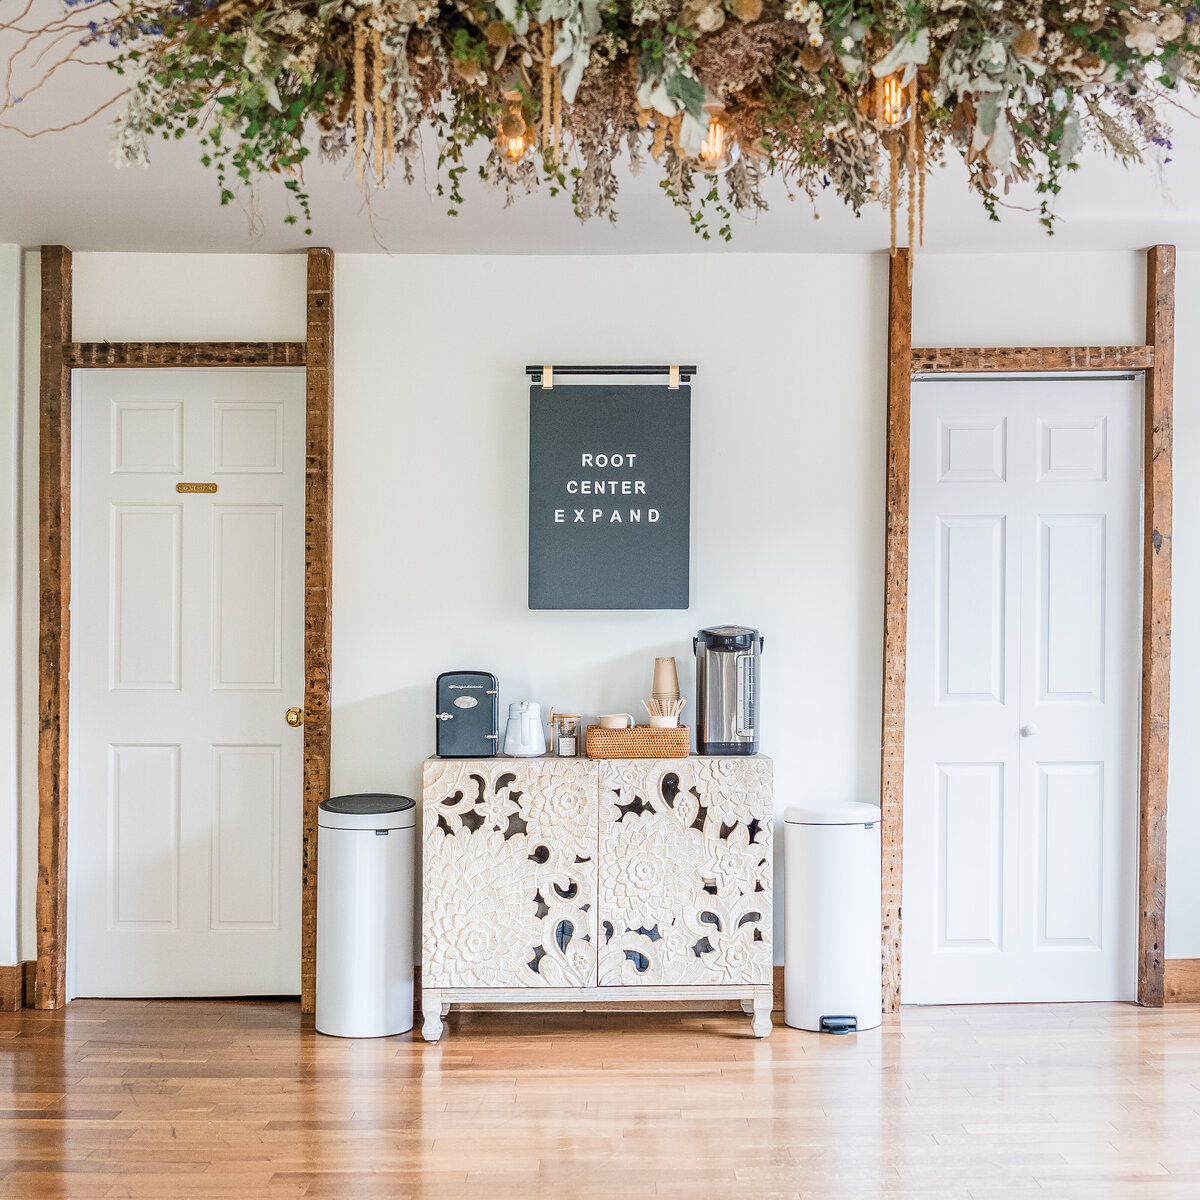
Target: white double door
[
  {"x": 1023, "y": 684},
  {"x": 186, "y": 652}
]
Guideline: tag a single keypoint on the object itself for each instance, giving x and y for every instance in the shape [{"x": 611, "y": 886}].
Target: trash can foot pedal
[{"x": 838, "y": 1025}]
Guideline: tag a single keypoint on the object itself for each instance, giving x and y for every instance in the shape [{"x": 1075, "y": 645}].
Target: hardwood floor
[{"x": 242, "y": 1099}]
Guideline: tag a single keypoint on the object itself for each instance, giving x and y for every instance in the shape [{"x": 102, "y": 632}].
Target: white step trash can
[
  {"x": 366, "y": 871},
  {"x": 832, "y": 956}
]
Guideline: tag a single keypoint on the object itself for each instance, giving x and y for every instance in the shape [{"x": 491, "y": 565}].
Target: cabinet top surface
[{"x": 554, "y": 758}]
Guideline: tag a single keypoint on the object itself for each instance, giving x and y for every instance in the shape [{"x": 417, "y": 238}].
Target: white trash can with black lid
[
  {"x": 832, "y": 956},
  {"x": 366, "y": 871}
]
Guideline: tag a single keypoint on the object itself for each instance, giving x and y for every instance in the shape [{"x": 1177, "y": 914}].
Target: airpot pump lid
[{"x": 729, "y": 637}]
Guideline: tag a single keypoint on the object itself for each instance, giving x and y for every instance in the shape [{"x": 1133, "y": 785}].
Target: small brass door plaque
[{"x": 195, "y": 487}]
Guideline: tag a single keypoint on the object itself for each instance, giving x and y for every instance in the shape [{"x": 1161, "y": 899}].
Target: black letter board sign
[{"x": 609, "y": 496}]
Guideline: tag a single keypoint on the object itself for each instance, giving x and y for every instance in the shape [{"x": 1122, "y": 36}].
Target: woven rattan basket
[{"x": 642, "y": 741}]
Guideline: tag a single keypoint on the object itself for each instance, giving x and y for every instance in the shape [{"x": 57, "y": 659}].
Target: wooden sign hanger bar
[{"x": 685, "y": 373}]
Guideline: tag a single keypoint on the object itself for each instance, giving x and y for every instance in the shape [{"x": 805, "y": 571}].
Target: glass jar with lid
[{"x": 564, "y": 734}]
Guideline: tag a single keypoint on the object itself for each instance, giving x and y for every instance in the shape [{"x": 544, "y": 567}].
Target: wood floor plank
[{"x": 217, "y": 1099}]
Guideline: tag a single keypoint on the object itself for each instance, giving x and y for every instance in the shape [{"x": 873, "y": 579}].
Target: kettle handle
[
  {"x": 762, "y": 641},
  {"x": 694, "y": 640}
]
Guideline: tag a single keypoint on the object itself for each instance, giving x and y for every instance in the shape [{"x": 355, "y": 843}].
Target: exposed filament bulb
[{"x": 893, "y": 109}]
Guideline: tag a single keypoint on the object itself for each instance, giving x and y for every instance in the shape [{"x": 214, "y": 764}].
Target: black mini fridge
[{"x": 468, "y": 714}]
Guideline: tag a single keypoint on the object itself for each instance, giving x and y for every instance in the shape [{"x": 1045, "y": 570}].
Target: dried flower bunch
[{"x": 859, "y": 97}]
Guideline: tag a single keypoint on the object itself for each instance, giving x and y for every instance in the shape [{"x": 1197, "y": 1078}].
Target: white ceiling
[{"x": 64, "y": 188}]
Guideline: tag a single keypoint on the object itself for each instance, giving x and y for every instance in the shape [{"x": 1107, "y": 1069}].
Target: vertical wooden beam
[
  {"x": 318, "y": 596},
  {"x": 1156, "y": 626},
  {"x": 54, "y": 591},
  {"x": 891, "y": 787}
]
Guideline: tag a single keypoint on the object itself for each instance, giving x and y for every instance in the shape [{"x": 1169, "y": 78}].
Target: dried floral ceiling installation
[{"x": 862, "y": 99}]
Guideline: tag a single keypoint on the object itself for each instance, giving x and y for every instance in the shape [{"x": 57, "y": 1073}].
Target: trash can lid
[
  {"x": 367, "y": 810},
  {"x": 368, "y": 802},
  {"x": 833, "y": 812}
]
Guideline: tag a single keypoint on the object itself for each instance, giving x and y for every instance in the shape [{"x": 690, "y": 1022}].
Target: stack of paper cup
[{"x": 666, "y": 680}]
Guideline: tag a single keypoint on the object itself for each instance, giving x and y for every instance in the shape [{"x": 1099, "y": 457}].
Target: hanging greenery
[{"x": 863, "y": 98}]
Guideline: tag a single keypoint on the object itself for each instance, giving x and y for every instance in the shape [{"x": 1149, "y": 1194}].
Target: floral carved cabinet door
[
  {"x": 685, "y": 871},
  {"x": 509, "y": 874}
]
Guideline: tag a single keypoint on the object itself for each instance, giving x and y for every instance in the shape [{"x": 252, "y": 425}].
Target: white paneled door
[
  {"x": 186, "y": 652},
  {"x": 1024, "y": 607}
]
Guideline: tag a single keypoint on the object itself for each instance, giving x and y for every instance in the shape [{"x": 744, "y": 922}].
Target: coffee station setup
[
  {"x": 632, "y": 870},
  {"x": 727, "y": 671}
]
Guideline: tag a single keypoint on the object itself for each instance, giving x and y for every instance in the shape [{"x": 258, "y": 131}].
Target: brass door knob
[{"x": 294, "y": 717}]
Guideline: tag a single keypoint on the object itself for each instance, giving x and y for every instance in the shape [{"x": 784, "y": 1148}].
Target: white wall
[
  {"x": 10, "y": 432},
  {"x": 431, "y": 480},
  {"x": 788, "y": 422}
]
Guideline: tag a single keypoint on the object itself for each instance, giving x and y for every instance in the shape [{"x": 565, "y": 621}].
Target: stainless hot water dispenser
[{"x": 727, "y": 673}]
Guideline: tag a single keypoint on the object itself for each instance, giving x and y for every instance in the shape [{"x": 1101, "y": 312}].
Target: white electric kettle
[{"x": 523, "y": 736}]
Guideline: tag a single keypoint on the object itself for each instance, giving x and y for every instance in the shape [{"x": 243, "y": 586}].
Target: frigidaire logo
[{"x": 458, "y": 687}]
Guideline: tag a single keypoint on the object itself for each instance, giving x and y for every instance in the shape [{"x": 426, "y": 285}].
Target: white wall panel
[
  {"x": 145, "y": 596},
  {"x": 1071, "y": 843},
  {"x": 144, "y": 835},
  {"x": 248, "y": 438},
  {"x": 1073, "y": 451},
  {"x": 970, "y": 855},
  {"x": 972, "y": 451},
  {"x": 247, "y": 594},
  {"x": 245, "y": 883},
  {"x": 971, "y": 613},
  {"x": 1071, "y": 601},
  {"x": 147, "y": 437},
  {"x": 188, "y": 297},
  {"x": 431, "y": 477}
]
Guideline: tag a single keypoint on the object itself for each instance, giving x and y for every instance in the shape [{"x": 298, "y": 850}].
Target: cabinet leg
[
  {"x": 748, "y": 1007},
  {"x": 762, "y": 1016},
  {"x": 432, "y": 1010}
]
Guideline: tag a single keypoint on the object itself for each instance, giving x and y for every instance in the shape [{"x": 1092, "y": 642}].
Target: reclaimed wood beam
[
  {"x": 318, "y": 595},
  {"x": 891, "y": 787},
  {"x": 1156, "y": 625},
  {"x": 184, "y": 354},
  {"x": 54, "y": 601},
  {"x": 928, "y": 360}
]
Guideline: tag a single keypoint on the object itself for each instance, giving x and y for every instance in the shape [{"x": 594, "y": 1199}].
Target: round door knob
[
  {"x": 1028, "y": 730},
  {"x": 294, "y": 717}
]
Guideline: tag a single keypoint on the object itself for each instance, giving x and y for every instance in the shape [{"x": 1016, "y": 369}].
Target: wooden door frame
[
  {"x": 58, "y": 357},
  {"x": 1155, "y": 361}
]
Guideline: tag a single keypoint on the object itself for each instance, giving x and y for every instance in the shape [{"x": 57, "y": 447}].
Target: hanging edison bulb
[
  {"x": 718, "y": 151},
  {"x": 512, "y": 139},
  {"x": 892, "y": 102}
]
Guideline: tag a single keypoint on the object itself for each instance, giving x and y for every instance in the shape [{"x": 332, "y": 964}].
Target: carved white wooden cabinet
[{"x": 571, "y": 881}]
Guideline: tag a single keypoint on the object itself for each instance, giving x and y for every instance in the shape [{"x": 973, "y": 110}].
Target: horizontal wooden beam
[
  {"x": 1183, "y": 981},
  {"x": 932, "y": 360},
  {"x": 185, "y": 354}
]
